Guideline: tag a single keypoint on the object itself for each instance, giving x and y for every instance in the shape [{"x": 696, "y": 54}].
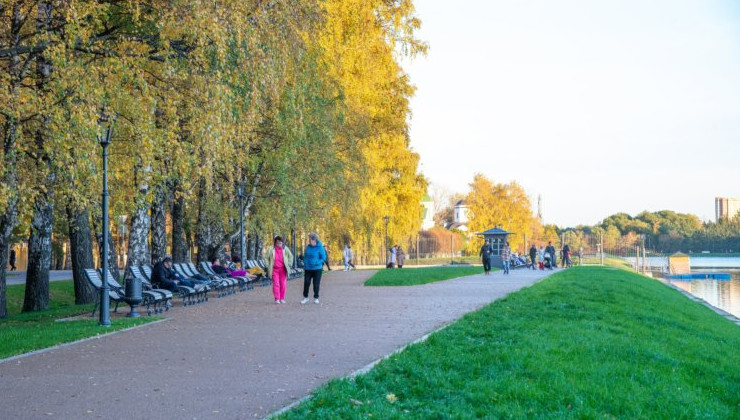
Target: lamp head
[{"x": 105, "y": 123}]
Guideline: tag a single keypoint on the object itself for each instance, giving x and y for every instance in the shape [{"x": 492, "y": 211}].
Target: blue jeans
[{"x": 506, "y": 266}]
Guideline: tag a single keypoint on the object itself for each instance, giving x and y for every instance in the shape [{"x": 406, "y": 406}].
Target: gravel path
[{"x": 241, "y": 356}]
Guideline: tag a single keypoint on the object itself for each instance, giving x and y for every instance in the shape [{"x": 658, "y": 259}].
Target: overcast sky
[{"x": 600, "y": 106}]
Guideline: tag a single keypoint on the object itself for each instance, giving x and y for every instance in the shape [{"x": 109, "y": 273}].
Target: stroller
[{"x": 548, "y": 263}]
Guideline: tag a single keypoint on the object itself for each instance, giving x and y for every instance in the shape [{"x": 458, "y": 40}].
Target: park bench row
[{"x": 158, "y": 300}]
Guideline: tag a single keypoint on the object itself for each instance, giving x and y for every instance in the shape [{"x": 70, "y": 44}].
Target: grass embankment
[
  {"x": 24, "y": 332},
  {"x": 423, "y": 275},
  {"x": 586, "y": 343}
]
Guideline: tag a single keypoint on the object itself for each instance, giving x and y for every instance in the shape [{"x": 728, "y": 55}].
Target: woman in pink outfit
[{"x": 279, "y": 259}]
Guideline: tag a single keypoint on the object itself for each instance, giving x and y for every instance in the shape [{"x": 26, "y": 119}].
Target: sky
[{"x": 599, "y": 106}]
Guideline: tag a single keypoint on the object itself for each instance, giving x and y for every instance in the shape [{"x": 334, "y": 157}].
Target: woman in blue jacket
[{"x": 313, "y": 260}]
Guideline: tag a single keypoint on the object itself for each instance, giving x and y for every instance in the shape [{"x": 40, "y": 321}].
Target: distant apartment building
[{"x": 725, "y": 208}]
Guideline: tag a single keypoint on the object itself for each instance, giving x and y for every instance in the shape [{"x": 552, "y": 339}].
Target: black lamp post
[
  {"x": 292, "y": 240},
  {"x": 240, "y": 193},
  {"x": 106, "y": 131},
  {"x": 385, "y": 252}
]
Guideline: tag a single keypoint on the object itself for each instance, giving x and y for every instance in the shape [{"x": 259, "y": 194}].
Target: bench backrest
[
  {"x": 147, "y": 270},
  {"x": 112, "y": 282},
  {"x": 192, "y": 268},
  {"x": 136, "y": 272},
  {"x": 207, "y": 268},
  {"x": 178, "y": 269},
  {"x": 94, "y": 278}
]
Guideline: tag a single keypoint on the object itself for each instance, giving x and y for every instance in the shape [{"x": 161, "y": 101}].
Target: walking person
[
  {"x": 400, "y": 256},
  {"x": 314, "y": 260},
  {"x": 550, "y": 250},
  {"x": 566, "y": 256},
  {"x": 278, "y": 258},
  {"x": 347, "y": 256},
  {"x": 541, "y": 257},
  {"x": 485, "y": 253},
  {"x": 11, "y": 260},
  {"x": 533, "y": 256},
  {"x": 506, "y": 256},
  {"x": 392, "y": 257}
]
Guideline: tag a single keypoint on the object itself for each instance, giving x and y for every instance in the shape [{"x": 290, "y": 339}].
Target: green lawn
[
  {"x": 24, "y": 332},
  {"x": 423, "y": 275},
  {"x": 587, "y": 343}
]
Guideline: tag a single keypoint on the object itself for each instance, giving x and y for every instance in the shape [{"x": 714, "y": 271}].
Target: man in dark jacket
[
  {"x": 549, "y": 249},
  {"x": 486, "y": 252},
  {"x": 164, "y": 277},
  {"x": 12, "y": 260},
  {"x": 533, "y": 256}
]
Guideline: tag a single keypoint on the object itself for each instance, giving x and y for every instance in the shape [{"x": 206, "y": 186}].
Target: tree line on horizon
[
  {"x": 507, "y": 205},
  {"x": 300, "y": 104}
]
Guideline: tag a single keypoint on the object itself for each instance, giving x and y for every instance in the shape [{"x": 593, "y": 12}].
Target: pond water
[
  {"x": 696, "y": 262},
  {"x": 723, "y": 294}
]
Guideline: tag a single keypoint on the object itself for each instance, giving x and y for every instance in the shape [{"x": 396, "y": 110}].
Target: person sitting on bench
[{"x": 164, "y": 277}]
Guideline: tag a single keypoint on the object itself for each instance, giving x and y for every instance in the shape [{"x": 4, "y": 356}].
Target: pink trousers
[{"x": 279, "y": 282}]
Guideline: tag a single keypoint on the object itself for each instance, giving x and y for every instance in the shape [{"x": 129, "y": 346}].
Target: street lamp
[
  {"x": 292, "y": 240},
  {"x": 104, "y": 135},
  {"x": 385, "y": 252},
  {"x": 240, "y": 194}
]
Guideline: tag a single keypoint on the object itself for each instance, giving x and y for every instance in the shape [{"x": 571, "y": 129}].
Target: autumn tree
[{"x": 499, "y": 205}]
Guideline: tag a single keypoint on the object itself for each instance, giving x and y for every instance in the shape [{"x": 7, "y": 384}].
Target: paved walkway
[
  {"x": 241, "y": 356},
  {"x": 19, "y": 277}
]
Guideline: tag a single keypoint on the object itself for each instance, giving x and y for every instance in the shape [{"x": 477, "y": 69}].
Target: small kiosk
[{"x": 497, "y": 237}]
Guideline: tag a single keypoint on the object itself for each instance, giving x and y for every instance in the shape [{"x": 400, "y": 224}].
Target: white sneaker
[
  {"x": 278, "y": 302},
  {"x": 304, "y": 301},
  {"x": 282, "y": 300},
  {"x": 316, "y": 301}
]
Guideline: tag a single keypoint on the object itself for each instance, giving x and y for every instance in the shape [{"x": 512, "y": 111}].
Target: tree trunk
[
  {"x": 138, "y": 240},
  {"x": 159, "y": 226},
  {"x": 112, "y": 255},
  {"x": 80, "y": 243},
  {"x": 209, "y": 236},
  {"x": 179, "y": 244},
  {"x": 42, "y": 222},
  {"x": 258, "y": 244},
  {"x": 8, "y": 218},
  {"x": 39, "y": 256}
]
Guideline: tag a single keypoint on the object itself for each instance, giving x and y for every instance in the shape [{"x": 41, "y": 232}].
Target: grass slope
[
  {"x": 415, "y": 276},
  {"x": 585, "y": 343}
]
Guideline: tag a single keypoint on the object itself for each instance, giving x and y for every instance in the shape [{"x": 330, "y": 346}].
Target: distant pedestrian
[
  {"x": 506, "y": 257},
  {"x": 541, "y": 257},
  {"x": 11, "y": 260},
  {"x": 486, "y": 252},
  {"x": 314, "y": 260},
  {"x": 400, "y": 256},
  {"x": 278, "y": 259},
  {"x": 566, "y": 256},
  {"x": 533, "y": 256},
  {"x": 392, "y": 257},
  {"x": 550, "y": 250},
  {"x": 347, "y": 255}
]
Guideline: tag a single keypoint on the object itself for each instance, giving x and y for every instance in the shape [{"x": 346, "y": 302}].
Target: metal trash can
[{"x": 133, "y": 295}]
